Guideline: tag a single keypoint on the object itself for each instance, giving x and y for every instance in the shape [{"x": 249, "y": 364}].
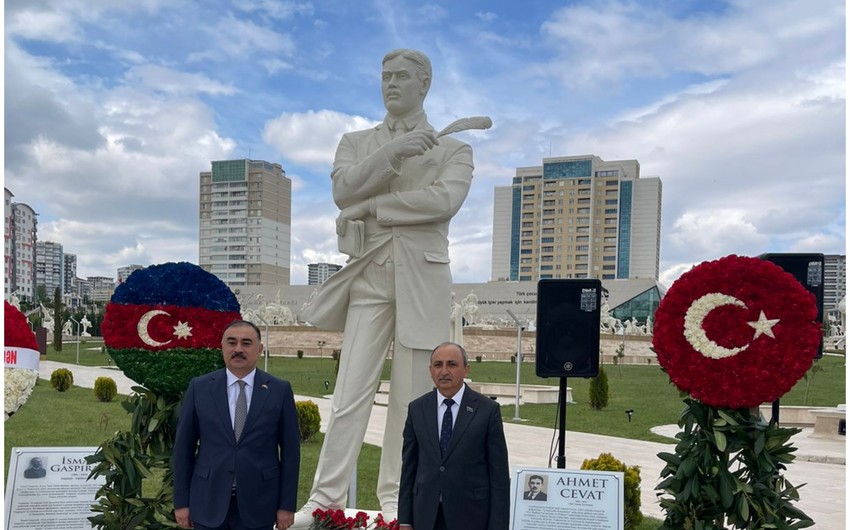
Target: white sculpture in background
[
  {"x": 66, "y": 328},
  {"x": 470, "y": 307},
  {"x": 631, "y": 327},
  {"x": 272, "y": 314},
  {"x": 47, "y": 321},
  {"x": 607, "y": 323},
  {"x": 456, "y": 334},
  {"x": 14, "y": 301},
  {"x": 85, "y": 323}
]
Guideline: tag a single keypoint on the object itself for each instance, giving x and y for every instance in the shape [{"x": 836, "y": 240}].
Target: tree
[
  {"x": 599, "y": 390},
  {"x": 41, "y": 294},
  {"x": 57, "y": 315}
]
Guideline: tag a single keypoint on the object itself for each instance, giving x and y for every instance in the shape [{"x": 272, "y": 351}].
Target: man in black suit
[
  {"x": 534, "y": 493},
  {"x": 455, "y": 473},
  {"x": 237, "y": 448},
  {"x": 36, "y": 469}
]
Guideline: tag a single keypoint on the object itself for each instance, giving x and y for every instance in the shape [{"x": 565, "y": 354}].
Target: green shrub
[
  {"x": 309, "y": 419},
  {"x": 300, "y": 354},
  {"x": 513, "y": 358},
  {"x": 599, "y": 390},
  {"x": 631, "y": 492},
  {"x": 105, "y": 389},
  {"x": 62, "y": 379},
  {"x": 478, "y": 358}
]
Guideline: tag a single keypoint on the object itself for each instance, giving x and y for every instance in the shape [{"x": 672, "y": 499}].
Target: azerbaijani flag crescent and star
[{"x": 164, "y": 324}]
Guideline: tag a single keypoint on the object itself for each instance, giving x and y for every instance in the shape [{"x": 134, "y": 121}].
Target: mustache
[{"x": 239, "y": 355}]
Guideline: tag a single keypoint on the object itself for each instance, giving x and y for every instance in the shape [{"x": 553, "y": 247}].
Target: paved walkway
[{"x": 820, "y": 462}]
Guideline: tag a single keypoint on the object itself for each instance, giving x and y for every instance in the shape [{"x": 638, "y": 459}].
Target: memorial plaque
[
  {"x": 563, "y": 499},
  {"x": 48, "y": 487}
]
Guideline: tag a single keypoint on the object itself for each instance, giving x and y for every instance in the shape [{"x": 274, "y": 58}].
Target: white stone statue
[
  {"x": 67, "y": 329},
  {"x": 470, "y": 307},
  {"x": 14, "y": 301},
  {"x": 456, "y": 322},
  {"x": 47, "y": 321},
  {"x": 607, "y": 323},
  {"x": 397, "y": 187},
  {"x": 85, "y": 323}
]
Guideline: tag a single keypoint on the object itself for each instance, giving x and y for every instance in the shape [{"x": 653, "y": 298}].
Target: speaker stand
[{"x": 561, "y": 461}]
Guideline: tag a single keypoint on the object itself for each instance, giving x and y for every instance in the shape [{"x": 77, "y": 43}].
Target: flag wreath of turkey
[
  {"x": 736, "y": 332},
  {"x": 163, "y": 325},
  {"x": 21, "y": 359}
]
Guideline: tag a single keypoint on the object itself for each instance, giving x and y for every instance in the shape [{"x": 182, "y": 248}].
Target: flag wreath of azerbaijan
[{"x": 163, "y": 325}]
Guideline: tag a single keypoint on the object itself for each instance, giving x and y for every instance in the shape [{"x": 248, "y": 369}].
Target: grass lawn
[{"x": 645, "y": 389}]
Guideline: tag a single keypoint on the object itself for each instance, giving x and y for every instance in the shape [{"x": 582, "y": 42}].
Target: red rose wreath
[
  {"x": 21, "y": 358},
  {"x": 736, "y": 332}
]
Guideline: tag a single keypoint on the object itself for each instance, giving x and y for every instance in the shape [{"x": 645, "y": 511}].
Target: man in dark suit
[
  {"x": 237, "y": 448},
  {"x": 534, "y": 493},
  {"x": 455, "y": 472},
  {"x": 36, "y": 469}
]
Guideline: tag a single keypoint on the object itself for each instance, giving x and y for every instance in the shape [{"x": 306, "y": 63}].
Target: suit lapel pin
[
  {"x": 264, "y": 386},
  {"x": 469, "y": 409}
]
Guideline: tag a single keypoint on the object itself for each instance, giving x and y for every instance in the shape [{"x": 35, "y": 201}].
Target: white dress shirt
[{"x": 441, "y": 408}]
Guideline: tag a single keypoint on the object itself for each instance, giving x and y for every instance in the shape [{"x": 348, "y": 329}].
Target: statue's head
[{"x": 405, "y": 80}]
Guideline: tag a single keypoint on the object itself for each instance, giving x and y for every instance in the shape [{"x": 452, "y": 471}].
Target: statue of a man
[
  {"x": 404, "y": 185},
  {"x": 85, "y": 323}
]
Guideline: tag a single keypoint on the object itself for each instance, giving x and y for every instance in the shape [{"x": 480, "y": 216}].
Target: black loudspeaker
[
  {"x": 568, "y": 328},
  {"x": 808, "y": 269}
]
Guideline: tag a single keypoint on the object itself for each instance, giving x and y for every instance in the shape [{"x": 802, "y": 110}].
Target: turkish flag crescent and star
[{"x": 736, "y": 332}]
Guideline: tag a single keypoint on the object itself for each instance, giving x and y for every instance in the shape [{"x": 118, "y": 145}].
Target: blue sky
[{"x": 112, "y": 109}]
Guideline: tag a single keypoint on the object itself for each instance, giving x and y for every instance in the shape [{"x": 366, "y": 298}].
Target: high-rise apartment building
[
  {"x": 318, "y": 273},
  {"x": 69, "y": 273},
  {"x": 7, "y": 244},
  {"x": 102, "y": 288},
  {"x": 20, "y": 234},
  {"x": 577, "y": 217},
  {"x": 245, "y": 222},
  {"x": 834, "y": 280},
  {"x": 125, "y": 272},
  {"x": 49, "y": 268}
]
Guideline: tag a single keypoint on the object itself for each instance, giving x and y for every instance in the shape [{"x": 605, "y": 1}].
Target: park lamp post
[
  {"x": 266, "y": 343},
  {"x": 78, "y": 337},
  {"x": 518, "y": 362}
]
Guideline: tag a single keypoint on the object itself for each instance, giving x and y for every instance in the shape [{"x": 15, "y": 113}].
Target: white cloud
[
  {"x": 603, "y": 42},
  {"x": 281, "y": 10},
  {"x": 233, "y": 37},
  {"x": 174, "y": 82},
  {"x": 310, "y": 138}
]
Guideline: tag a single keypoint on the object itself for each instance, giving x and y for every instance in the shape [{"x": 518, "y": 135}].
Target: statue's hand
[
  {"x": 414, "y": 143},
  {"x": 355, "y": 211}
]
